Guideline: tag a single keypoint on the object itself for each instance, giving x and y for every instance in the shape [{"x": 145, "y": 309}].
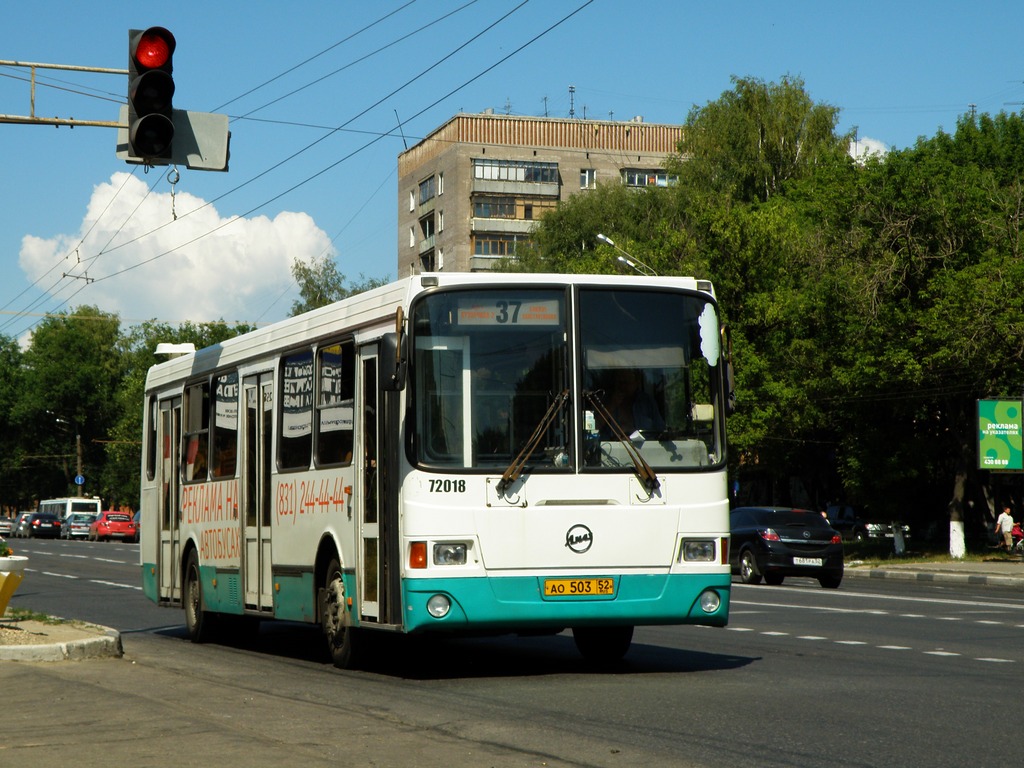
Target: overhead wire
[
  {"x": 333, "y": 131},
  {"x": 316, "y": 55},
  {"x": 47, "y": 81},
  {"x": 319, "y": 140}
]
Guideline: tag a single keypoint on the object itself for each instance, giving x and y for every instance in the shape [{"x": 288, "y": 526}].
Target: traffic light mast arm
[{"x": 31, "y": 118}]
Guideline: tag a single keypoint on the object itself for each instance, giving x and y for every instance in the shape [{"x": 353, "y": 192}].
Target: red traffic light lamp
[{"x": 150, "y": 91}]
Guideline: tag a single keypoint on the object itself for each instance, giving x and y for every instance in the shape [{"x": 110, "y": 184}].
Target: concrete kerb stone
[
  {"x": 94, "y": 642},
  {"x": 937, "y": 576}
]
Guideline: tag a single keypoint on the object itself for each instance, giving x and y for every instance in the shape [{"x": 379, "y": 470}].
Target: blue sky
[{"x": 316, "y": 90}]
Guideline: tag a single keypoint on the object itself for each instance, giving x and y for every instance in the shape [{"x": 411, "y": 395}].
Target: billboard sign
[{"x": 1000, "y": 434}]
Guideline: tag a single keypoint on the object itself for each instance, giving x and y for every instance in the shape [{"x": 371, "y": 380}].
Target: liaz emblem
[{"x": 579, "y": 538}]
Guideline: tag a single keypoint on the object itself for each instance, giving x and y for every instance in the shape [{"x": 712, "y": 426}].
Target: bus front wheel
[
  {"x": 603, "y": 645},
  {"x": 334, "y": 618}
]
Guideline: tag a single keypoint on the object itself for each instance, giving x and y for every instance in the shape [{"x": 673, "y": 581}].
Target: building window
[
  {"x": 440, "y": 184},
  {"x": 495, "y": 245},
  {"x": 440, "y": 221},
  {"x": 494, "y": 208},
  {"x": 412, "y": 201},
  {"x": 528, "y": 212},
  {"x": 645, "y": 177},
  {"x": 515, "y": 170},
  {"x": 412, "y": 237},
  {"x": 588, "y": 178},
  {"x": 427, "y": 227},
  {"x": 427, "y": 190}
]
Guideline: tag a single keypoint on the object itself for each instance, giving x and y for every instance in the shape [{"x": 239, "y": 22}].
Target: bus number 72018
[{"x": 449, "y": 454}]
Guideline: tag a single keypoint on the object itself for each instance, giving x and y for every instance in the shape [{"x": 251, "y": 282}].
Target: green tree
[
  {"x": 320, "y": 283},
  {"x": 755, "y": 138},
  {"x": 70, "y": 372},
  {"x": 120, "y": 478},
  {"x": 14, "y": 487}
]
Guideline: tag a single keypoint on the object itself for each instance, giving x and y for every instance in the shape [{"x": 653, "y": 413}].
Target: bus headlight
[
  {"x": 438, "y": 606},
  {"x": 710, "y": 601},
  {"x": 448, "y": 553},
  {"x": 698, "y": 551}
]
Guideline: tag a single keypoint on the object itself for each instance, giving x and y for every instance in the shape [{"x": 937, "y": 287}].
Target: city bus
[
  {"x": 449, "y": 454},
  {"x": 64, "y": 507}
]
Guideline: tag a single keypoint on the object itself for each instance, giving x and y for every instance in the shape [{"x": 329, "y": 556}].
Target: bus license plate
[
  {"x": 807, "y": 561},
  {"x": 578, "y": 587}
]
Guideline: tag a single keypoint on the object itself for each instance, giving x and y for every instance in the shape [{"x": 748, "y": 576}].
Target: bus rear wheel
[
  {"x": 334, "y": 619},
  {"x": 603, "y": 645},
  {"x": 198, "y": 622}
]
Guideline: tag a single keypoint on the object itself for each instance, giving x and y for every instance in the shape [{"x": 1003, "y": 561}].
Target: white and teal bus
[{"x": 451, "y": 453}]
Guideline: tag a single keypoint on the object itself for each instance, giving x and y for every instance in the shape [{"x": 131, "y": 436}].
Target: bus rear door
[
  {"x": 168, "y": 509},
  {"x": 256, "y": 469}
]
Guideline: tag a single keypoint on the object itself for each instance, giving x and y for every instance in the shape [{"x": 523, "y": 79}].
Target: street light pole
[
  {"x": 78, "y": 448},
  {"x": 78, "y": 451},
  {"x": 629, "y": 259}
]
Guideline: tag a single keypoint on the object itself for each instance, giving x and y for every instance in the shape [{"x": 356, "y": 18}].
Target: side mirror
[
  {"x": 730, "y": 376},
  {"x": 394, "y": 363}
]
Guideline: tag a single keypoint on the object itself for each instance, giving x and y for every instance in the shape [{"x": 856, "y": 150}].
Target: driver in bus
[{"x": 630, "y": 405}]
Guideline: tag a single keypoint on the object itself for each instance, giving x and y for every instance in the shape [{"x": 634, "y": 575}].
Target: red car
[{"x": 113, "y": 525}]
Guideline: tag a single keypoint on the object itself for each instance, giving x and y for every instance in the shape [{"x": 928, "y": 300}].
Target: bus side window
[
  {"x": 334, "y": 404},
  {"x": 295, "y": 446},
  {"x": 197, "y": 433}
]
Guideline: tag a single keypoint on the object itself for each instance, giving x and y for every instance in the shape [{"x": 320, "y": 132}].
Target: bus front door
[
  {"x": 168, "y": 506},
  {"x": 259, "y": 423}
]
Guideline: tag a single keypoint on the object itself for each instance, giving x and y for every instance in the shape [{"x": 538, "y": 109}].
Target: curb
[
  {"x": 105, "y": 645},
  {"x": 934, "y": 577}
]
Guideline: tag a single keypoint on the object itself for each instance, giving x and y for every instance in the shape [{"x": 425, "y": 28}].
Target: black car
[
  {"x": 853, "y": 527},
  {"x": 775, "y": 542},
  {"x": 41, "y": 525}
]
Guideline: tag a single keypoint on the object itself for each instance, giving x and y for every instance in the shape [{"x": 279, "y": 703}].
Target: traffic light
[{"x": 150, "y": 90}]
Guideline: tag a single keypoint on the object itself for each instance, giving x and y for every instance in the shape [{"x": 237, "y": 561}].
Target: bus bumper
[{"x": 518, "y": 603}]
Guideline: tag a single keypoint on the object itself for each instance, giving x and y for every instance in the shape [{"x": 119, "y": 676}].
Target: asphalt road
[{"x": 876, "y": 673}]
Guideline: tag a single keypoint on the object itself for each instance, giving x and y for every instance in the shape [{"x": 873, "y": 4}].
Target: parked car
[
  {"x": 38, "y": 525},
  {"x": 853, "y": 527},
  {"x": 19, "y": 528},
  {"x": 76, "y": 525},
  {"x": 6, "y": 526},
  {"x": 775, "y": 542},
  {"x": 113, "y": 525}
]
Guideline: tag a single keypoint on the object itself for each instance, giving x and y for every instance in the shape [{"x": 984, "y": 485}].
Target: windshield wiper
[
  {"x": 644, "y": 472},
  {"x": 515, "y": 469}
]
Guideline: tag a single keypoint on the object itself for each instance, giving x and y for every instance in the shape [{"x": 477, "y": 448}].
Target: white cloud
[
  {"x": 198, "y": 266},
  {"x": 865, "y": 147}
]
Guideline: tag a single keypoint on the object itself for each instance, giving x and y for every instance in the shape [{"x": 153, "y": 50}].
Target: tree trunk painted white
[{"x": 957, "y": 545}]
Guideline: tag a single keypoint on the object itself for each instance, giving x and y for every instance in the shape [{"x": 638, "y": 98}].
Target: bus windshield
[
  {"x": 651, "y": 378},
  {"x": 489, "y": 364}
]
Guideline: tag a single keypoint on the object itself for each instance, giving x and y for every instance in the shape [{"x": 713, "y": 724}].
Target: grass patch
[
  {"x": 26, "y": 614},
  {"x": 872, "y": 552}
]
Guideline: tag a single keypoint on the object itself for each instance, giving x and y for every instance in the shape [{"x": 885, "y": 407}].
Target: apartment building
[{"x": 474, "y": 188}]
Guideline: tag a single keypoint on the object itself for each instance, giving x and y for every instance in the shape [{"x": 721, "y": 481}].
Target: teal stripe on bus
[{"x": 517, "y": 602}]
